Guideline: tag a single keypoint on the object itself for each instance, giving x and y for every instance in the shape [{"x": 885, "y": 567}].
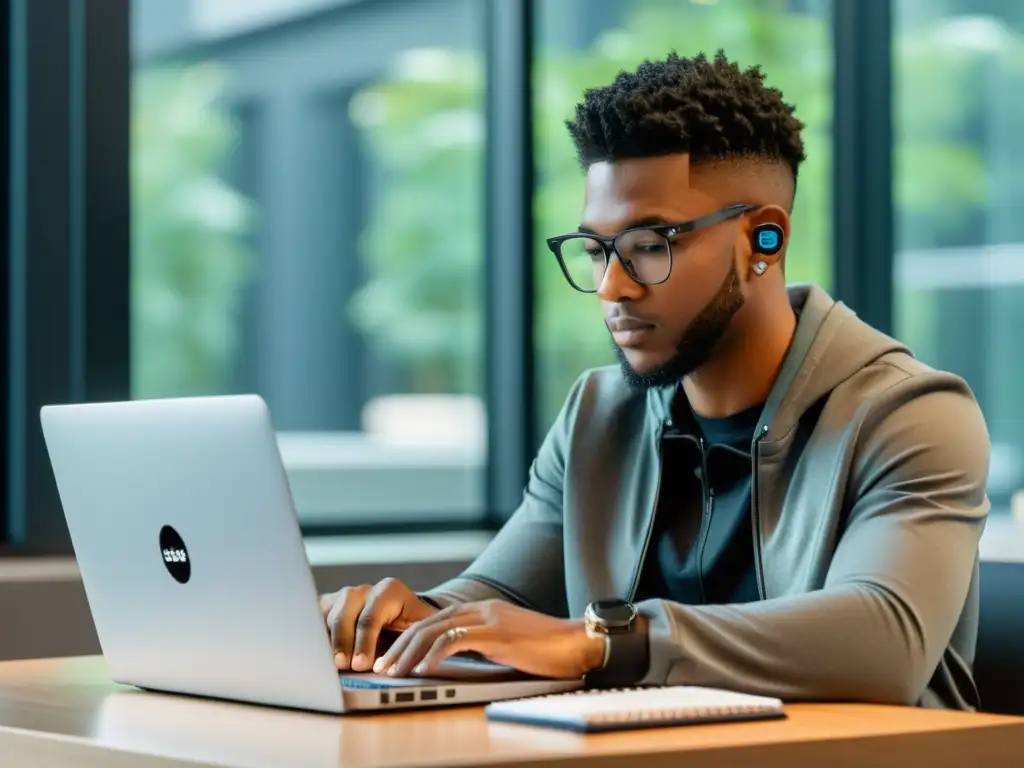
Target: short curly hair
[{"x": 711, "y": 110}]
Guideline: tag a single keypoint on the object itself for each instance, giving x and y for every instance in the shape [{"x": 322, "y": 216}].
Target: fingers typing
[
  {"x": 383, "y": 606},
  {"x": 341, "y": 621}
]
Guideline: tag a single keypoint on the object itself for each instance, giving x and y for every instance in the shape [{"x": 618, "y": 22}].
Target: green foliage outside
[
  {"x": 189, "y": 258},
  {"x": 962, "y": 86},
  {"x": 424, "y": 246},
  {"x": 952, "y": 76}
]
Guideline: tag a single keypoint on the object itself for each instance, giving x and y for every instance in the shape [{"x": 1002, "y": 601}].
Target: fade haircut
[{"x": 710, "y": 110}]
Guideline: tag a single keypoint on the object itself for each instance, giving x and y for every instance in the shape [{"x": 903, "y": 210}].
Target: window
[
  {"x": 584, "y": 43},
  {"x": 959, "y": 265},
  {"x": 308, "y": 225}
]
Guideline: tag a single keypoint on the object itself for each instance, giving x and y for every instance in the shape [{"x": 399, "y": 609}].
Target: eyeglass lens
[{"x": 645, "y": 254}]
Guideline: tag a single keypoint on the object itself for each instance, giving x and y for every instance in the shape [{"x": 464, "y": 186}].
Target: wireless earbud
[{"x": 767, "y": 239}]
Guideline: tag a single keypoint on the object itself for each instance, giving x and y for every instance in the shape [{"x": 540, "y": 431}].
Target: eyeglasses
[{"x": 644, "y": 252}]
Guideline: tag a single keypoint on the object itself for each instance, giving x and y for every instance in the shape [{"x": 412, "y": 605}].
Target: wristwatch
[
  {"x": 609, "y": 617},
  {"x": 625, "y": 649}
]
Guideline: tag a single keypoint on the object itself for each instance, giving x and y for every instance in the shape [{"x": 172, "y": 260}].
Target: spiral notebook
[{"x": 591, "y": 711}]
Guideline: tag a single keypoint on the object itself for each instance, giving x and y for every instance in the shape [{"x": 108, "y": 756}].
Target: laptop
[{"x": 193, "y": 563}]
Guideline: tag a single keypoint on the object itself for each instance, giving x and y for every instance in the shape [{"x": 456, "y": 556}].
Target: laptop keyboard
[
  {"x": 455, "y": 669},
  {"x": 363, "y": 683},
  {"x": 378, "y": 682}
]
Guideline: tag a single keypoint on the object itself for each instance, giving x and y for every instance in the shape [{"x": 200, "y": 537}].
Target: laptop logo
[{"x": 175, "y": 555}]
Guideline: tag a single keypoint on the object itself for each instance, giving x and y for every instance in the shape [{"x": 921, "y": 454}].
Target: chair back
[{"x": 999, "y": 659}]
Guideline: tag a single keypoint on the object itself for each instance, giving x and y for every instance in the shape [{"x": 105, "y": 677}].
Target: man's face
[{"x": 666, "y": 331}]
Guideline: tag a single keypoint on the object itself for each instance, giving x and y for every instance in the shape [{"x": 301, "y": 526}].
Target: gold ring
[{"x": 455, "y": 633}]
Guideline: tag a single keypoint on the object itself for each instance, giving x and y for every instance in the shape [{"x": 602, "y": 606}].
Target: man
[{"x": 771, "y": 496}]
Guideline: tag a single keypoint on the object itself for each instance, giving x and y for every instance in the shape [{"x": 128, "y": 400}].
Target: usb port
[
  {"x": 385, "y": 698},
  {"x": 428, "y": 695},
  {"x": 405, "y": 696},
  {"x": 449, "y": 693}
]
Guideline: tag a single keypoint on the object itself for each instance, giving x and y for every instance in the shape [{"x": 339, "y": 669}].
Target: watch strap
[{"x": 627, "y": 660}]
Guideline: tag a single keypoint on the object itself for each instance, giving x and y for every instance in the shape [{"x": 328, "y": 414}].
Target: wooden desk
[{"x": 66, "y": 712}]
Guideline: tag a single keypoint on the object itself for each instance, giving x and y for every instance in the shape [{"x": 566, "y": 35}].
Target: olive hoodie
[{"x": 867, "y": 503}]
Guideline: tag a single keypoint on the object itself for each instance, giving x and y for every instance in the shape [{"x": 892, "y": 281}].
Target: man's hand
[
  {"x": 356, "y": 616},
  {"x": 504, "y": 633}
]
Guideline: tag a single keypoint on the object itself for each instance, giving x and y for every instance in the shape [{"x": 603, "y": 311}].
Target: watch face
[{"x": 613, "y": 612}]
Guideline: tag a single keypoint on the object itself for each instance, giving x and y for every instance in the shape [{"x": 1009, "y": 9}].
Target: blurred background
[{"x": 341, "y": 205}]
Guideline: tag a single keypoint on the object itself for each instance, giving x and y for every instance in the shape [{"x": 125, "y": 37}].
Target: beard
[{"x": 697, "y": 343}]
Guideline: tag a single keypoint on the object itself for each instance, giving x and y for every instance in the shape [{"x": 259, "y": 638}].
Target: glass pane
[
  {"x": 307, "y": 226},
  {"x": 959, "y": 194},
  {"x": 585, "y": 43}
]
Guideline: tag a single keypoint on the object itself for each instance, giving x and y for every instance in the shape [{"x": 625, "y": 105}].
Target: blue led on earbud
[{"x": 767, "y": 239}]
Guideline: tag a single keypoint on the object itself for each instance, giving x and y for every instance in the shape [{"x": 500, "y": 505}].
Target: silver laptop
[{"x": 194, "y": 566}]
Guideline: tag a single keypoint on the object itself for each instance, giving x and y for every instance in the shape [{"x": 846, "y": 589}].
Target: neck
[{"x": 747, "y": 360}]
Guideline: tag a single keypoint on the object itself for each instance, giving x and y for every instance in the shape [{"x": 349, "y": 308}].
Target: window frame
[
  {"x": 5, "y": 230},
  {"x": 509, "y": 275},
  {"x": 67, "y": 263},
  {"x": 863, "y": 257}
]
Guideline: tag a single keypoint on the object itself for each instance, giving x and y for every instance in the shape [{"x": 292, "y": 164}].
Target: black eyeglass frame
[{"x": 668, "y": 231}]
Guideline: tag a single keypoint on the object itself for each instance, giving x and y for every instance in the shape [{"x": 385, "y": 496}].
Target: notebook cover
[{"x": 582, "y": 725}]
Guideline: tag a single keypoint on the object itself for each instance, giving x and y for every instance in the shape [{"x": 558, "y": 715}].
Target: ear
[{"x": 765, "y": 233}]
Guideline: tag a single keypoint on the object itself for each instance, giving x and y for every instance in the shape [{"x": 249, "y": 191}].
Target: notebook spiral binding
[{"x": 684, "y": 713}]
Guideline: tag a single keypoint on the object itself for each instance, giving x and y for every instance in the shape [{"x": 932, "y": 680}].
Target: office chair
[{"x": 999, "y": 659}]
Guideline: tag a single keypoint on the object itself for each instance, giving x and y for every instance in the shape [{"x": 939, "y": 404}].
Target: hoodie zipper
[
  {"x": 707, "y": 503},
  {"x": 755, "y": 513}
]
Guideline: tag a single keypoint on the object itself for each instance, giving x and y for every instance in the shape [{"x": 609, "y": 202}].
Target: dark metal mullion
[
  {"x": 68, "y": 292},
  {"x": 862, "y": 229},
  {"x": 38, "y": 370},
  {"x": 106, "y": 191},
  {"x": 6, "y": 115},
  {"x": 76, "y": 200},
  {"x": 508, "y": 254}
]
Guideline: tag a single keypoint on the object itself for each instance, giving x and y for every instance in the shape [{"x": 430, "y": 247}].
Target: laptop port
[
  {"x": 385, "y": 697},
  {"x": 449, "y": 693},
  {"x": 428, "y": 695},
  {"x": 404, "y": 696}
]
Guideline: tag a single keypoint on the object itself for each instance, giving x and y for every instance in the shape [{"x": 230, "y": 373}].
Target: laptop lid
[{"x": 190, "y": 551}]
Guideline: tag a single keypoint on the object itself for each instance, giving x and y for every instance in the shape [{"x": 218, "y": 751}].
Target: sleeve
[
  {"x": 524, "y": 563},
  {"x": 897, "y": 582}
]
